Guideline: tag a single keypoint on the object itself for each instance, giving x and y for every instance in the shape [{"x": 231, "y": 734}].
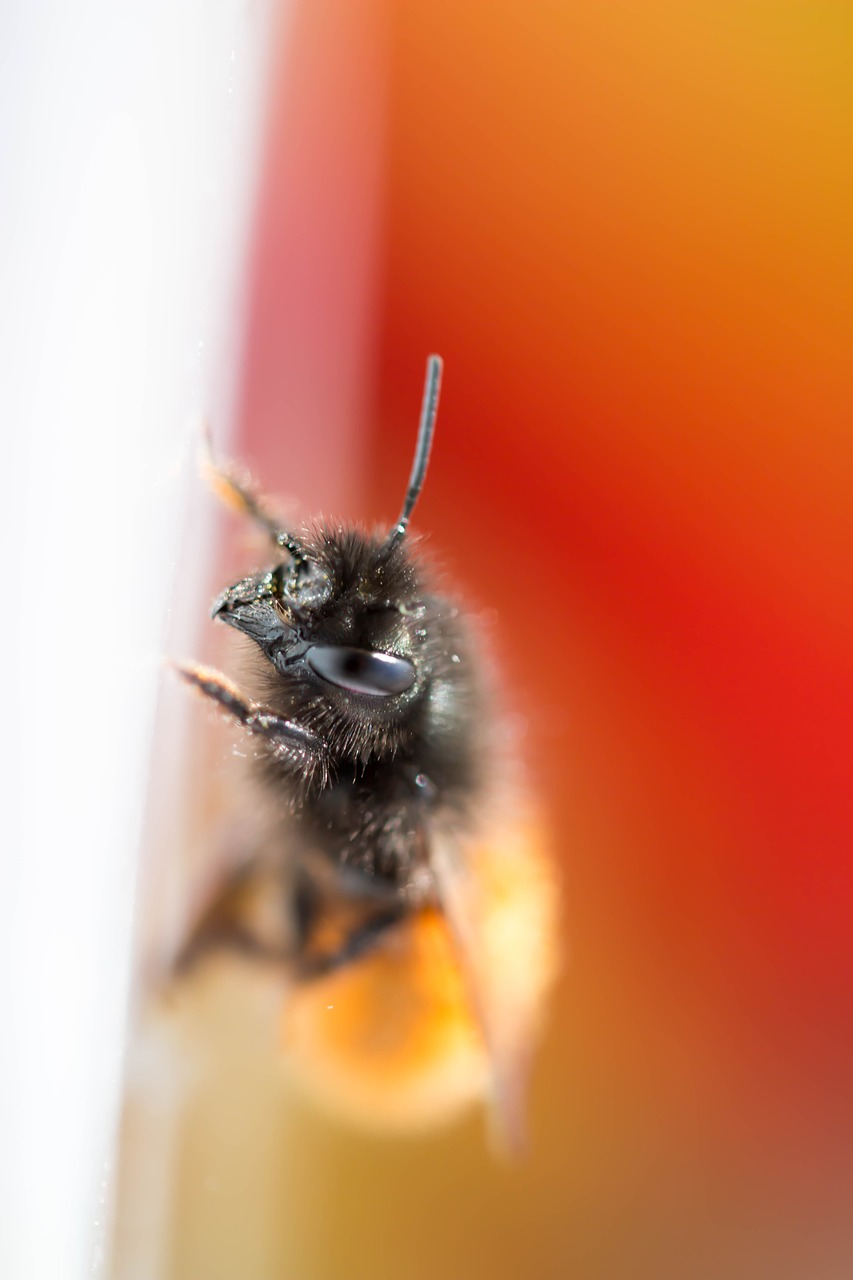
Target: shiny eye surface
[{"x": 379, "y": 675}]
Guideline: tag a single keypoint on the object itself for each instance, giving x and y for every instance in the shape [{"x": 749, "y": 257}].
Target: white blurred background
[{"x": 125, "y": 130}]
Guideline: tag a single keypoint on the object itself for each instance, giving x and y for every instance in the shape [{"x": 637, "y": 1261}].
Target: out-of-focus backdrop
[{"x": 626, "y": 227}]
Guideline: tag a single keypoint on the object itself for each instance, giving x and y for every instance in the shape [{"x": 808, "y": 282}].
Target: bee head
[{"x": 348, "y": 637}]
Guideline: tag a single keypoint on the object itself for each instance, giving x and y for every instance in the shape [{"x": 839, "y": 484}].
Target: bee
[{"x": 415, "y": 912}]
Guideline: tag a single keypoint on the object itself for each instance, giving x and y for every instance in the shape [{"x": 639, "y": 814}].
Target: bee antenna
[{"x": 429, "y": 411}]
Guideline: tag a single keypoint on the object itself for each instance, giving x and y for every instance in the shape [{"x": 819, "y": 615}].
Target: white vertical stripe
[{"x": 127, "y": 143}]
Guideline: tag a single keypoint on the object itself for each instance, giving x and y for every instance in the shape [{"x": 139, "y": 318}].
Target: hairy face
[{"x": 353, "y": 647}]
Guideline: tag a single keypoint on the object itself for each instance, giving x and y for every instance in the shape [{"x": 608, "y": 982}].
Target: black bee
[{"x": 417, "y": 912}]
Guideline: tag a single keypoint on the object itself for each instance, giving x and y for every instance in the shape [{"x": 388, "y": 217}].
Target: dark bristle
[{"x": 356, "y": 559}]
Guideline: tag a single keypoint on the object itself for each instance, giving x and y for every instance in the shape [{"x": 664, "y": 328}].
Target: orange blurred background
[{"x": 627, "y": 230}]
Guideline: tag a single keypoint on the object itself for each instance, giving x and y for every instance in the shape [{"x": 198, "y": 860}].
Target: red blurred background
[{"x": 627, "y": 230}]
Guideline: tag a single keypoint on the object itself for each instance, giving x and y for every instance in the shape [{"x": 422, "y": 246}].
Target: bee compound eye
[{"x": 379, "y": 675}]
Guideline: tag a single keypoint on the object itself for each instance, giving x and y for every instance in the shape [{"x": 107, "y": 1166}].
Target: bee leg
[
  {"x": 292, "y": 743},
  {"x": 226, "y": 936},
  {"x": 226, "y": 924},
  {"x": 239, "y": 493},
  {"x": 356, "y": 944}
]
